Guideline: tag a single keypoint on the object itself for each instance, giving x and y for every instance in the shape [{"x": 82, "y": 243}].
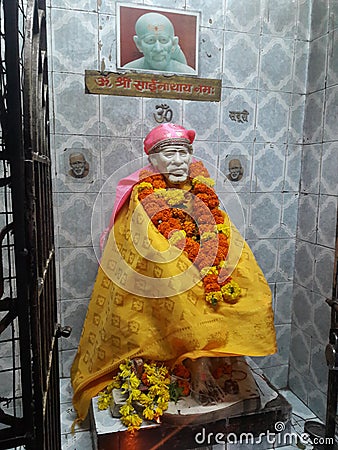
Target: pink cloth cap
[{"x": 168, "y": 133}]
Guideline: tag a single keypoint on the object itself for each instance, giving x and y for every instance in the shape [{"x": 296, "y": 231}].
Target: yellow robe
[{"x": 127, "y": 318}]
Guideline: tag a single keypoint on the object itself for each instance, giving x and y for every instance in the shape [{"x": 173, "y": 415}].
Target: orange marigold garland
[
  {"x": 180, "y": 385},
  {"x": 208, "y": 232}
]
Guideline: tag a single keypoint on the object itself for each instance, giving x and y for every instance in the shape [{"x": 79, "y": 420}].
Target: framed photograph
[{"x": 157, "y": 40}]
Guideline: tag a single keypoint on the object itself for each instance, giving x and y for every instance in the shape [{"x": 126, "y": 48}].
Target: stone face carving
[
  {"x": 235, "y": 170},
  {"x": 79, "y": 166}
]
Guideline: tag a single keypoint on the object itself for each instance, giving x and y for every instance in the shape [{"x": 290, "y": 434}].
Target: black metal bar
[
  {"x": 3, "y": 233},
  {"x": 10, "y": 438},
  {"x": 14, "y": 147},
  {"x": 332, "y": 390},
  {"x": 25, "y": 144},
  {"x": 5, "y": 181},
  {"x": 7, "y": 419},
  {"x": 7, "y": 320},
  {"x": 331, "y": 407},
  {"x": 6, "y": 303}
]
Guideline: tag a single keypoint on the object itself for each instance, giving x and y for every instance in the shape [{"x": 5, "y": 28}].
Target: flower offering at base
[{"x": 135, "y": 395}]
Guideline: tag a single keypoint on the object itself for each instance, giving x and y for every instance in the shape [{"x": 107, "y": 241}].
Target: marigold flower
[
  {"x": 164, "y": 404},
  {"x": 144, "y": 185},
  {"x": 206, "y": 219},
  {"x": 192, "y": 248},
  {"x": 185, "y": 386},
  {"x": 203, "y": 189},
  {"x": 200, "y": 188},
  {"x": 179, "y": 214},
  {"x": 223, "y": 228},
  {"x": 125, "y": 369},
  {"x": 203, "y": 196},
  {"x": 197, "y": 168},
  {"x": 177, "y": 236},
  {"x": 231, "y": 292},
  {"x": 213, "y": 203},
  {"x": 144, "y": 193},
  {"x": 153, "y": 178},
  {"x": 206, "y": 228},
  {"x": 154, "y": 400},
  {"x": 223, "y": 247},
  {"x": 103, "y": 401},
  {"x": 153, "y": 206},
  {"x": 181, "y": 370},
  {"x": 208, "y": 235},
  {"x": 213, "y": 297},
  {"x": 209, "y": 198},
  {"x": 173, "y": 197},
  {"x": 189, "y": 227},
  {"x": 211, "y": 277},
  {"x": 115, "y": 384},
  {"x": 205, "y": 259},
  {"x": 169, "y": 226},
  {"x": 160, "y": 192},
  {"x": 161, "y": 216},
  {"x": 148, "y": 413},
  {"x": 158, "y": 412},
  {"x": 159, "y": 183},
  {"x": 132, "y": 421},
  {"x": 210, "y": 283},
  {"x": 217, "y": 215},
  {"x": 204, "y": 271},
  {"x": 126, "y": 409},
  {"x": 144, "y": 379},
  {"x": 211, "y": 287},
  {"x": 203, "y": 180}
]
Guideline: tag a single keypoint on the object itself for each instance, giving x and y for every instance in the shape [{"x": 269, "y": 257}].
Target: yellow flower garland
[{"x": 153, "y": 402}]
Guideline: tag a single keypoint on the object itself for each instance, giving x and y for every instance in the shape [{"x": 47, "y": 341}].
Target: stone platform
[
  {"x": 188, "y": 411},
  {"x": 256, "y": 409}
]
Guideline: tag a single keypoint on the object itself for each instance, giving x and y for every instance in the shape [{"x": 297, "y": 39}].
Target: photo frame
[
  {"x": 186, "y": 29},
  {"x": 236, "y": 168},
  {"x": 77, "y": 165}
]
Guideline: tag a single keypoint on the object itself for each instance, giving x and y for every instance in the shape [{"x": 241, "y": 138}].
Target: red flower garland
[{"x": 201, "y": 233}]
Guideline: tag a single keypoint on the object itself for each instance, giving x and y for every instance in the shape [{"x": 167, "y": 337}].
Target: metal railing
[{"x": 29, "y": 390}]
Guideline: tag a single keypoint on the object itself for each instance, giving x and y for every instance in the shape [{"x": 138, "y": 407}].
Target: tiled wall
[
  {"x": 317, "y": 213},
  {"x": 259, "y": 48}
]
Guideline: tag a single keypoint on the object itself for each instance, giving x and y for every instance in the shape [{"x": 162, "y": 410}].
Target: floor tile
[
  {"x": 66, "y": 391},
  {"x": 77, "y": 441},
  {"x": 68, "y": 415},
  {"x": 298, "y": 407}
]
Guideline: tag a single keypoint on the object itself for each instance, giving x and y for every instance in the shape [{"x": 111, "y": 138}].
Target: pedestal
[{"x": 217, "y": 425}]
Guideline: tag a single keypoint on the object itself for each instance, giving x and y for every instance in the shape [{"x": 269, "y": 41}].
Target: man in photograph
[
  {"x": 235, "y": 170},
  {"x": 155, "y": 38},
  {"x": 79, "y": 167}
]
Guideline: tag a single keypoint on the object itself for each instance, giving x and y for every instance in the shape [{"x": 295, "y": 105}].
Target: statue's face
[
  {"x": 155, "y": 39},
  {"x": 157, "y": 51},
  {"x": 173, "y": 162}
]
